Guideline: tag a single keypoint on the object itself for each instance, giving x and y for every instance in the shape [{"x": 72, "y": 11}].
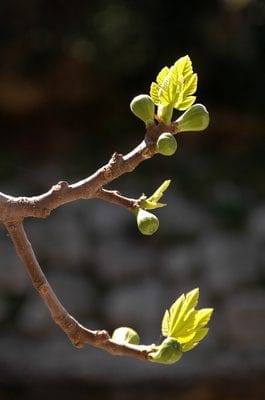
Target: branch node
[
  {"x": 43, "y": 289},
  {"x": 107, "y": 172},
  {"x": 60, "y": 186},
  {"x": 116, "y": 158},
  {"x": 148, "y": 152},
  {"x": 102, "y": 335}
]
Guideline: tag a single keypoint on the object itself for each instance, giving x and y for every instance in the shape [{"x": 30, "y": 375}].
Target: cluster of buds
[
  {"x": 174, "y": 89},
  {"x": 183, "y": 327},
  {"x": 194, "y": 119}
]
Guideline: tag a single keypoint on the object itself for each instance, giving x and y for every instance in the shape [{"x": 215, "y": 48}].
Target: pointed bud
[
  {"x": 196, "y": 118},
  {"x": 169, "y": 352},
  {"x": 125, "y": 335},
  {"x": 147, "y": 222},
  {"x": 164, "y": 113},
  {"x": 143, "y": 107},
  {"x": 166, "y": 144}
]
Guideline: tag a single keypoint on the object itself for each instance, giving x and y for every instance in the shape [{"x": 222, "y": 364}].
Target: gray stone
[
  {"x": 181, "y": 265},
  {"x": 183, "y": 217},
  {"x": 229, "y": 261},
  {"x": 61, "y": 240},
  {"x": 3, "y": 310},
  {"x": 34, "y": 318},
  {"x": 107, "y": 220},
  {"x": 119, "y": 260},
  {"x": 75, "y": 293},
  {"x": 13, "y": 276},
  {"x": 256, "y": 222},
  {"x": 244, "y": 320},
  {"x": 139, "y": 306}
]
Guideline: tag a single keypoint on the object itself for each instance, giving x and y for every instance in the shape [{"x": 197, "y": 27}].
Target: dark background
[{"x": 68, "y": 72}]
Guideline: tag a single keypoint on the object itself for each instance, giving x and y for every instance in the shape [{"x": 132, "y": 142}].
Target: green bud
[
  {"x": 125, "y": 335},
  {"x": 166, "y": 144},
  {"x": 168, "y": 352},
  {"x": 143, "y": 107},
  {"x": 196, "y": 118},
  {"x": 147, "y": 222}
]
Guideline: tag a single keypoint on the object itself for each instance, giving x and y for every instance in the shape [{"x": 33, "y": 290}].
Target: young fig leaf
[
  {"x": 174, "y": 88},
  {"x": 156, "y": 196},
  {"x": 152, "y": 202},
  {"x": 184, "y": 323}
]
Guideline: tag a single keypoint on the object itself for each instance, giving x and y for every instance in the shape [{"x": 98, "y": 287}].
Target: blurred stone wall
[{"x": 108, "y": 275}]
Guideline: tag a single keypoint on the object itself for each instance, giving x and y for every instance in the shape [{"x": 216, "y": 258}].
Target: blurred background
[{"x": 68, "y": 72}]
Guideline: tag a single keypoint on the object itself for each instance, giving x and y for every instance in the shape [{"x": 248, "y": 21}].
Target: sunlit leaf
[
  {"x": 184, "y": 323},
  {"x": 174, "y": 313},
  {"x": 183, "y": 105},
  {"x": 151, "y": 205},
  {"x": 187, "y": 338},
  {"x": 195, "y": 340},
  {"x": 190, "y": 86},
  {"x": 203, "y": 317},
  {"x": 160, "y": 191},
  {"x": 161, "y": 76},
  {"x": 175, "y": 85},
  {"x": 165, "y": 324},
  {"x": 184, "y": 66},
  {"x": 154, "y": 93},
  {"x": 191, "y": 299}
]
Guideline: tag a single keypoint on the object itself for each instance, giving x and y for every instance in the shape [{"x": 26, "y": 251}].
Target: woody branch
[{"x": 13, "y": 210}]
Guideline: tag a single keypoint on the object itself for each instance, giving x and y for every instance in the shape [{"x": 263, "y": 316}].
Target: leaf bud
[
  {"x": 169, "y": 352},
  {"x": 196, "y": 118},
  {"x": 147, "y": 222},
  {"x": 164, "y": 113},
  {"x": 166, "y": 144},
  {"x": 143, "y": 107},
  {"x": 126, "y": 335}
]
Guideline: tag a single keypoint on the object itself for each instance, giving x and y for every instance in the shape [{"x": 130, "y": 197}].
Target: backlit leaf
[
  {"x": 160, "y": 191},
  {"x": 165, "y": 324},
  {"x": 161, "y": 76},
  {"x": 154, "y": 93},
  {"x": 186, "y": 103},
  {"x": 203, "y": 316},
  {"x": 195, "y": 340}
]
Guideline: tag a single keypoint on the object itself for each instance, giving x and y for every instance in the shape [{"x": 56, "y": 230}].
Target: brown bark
[{"x": 13, "y": 210}]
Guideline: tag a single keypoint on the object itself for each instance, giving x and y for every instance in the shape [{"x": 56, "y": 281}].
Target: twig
[{"x": 113, "y": 196}]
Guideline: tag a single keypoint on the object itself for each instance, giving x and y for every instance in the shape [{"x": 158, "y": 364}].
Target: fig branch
[
  {"x": 18, "y": 208},
  {"x": 15, "y": 209},
  {"x": 173, "y": 90}
]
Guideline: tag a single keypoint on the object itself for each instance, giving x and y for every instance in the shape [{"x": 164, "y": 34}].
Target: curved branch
[
  {"x": 77, "y": 334},
  {"x": 14, "y": 209}
]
